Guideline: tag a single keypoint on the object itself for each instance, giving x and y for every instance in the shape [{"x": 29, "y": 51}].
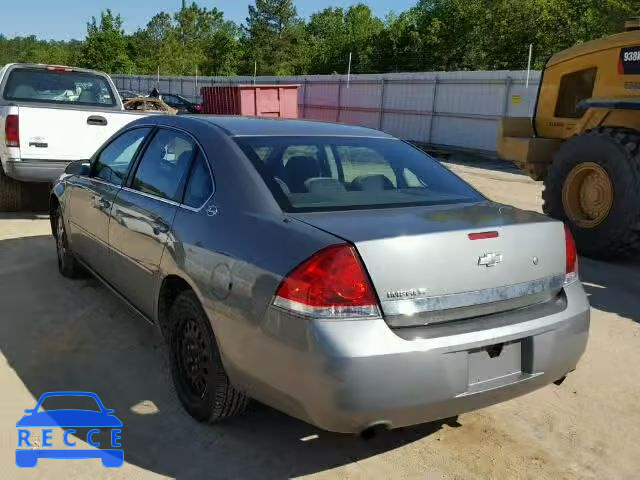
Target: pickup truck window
[{"x": 58, "y": 87}]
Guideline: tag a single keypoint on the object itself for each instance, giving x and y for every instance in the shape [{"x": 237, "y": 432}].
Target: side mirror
[{"x": 81, "y": 168}]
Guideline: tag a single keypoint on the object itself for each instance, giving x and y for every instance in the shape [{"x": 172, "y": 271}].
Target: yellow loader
[{"x": 584, "y": 142}]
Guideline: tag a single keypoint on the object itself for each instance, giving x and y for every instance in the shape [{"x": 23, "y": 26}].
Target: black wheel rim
[{"x": 192, "y": 358}]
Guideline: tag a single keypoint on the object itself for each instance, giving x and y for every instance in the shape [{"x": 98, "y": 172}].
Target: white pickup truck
[{"x": 50, "y": 116}]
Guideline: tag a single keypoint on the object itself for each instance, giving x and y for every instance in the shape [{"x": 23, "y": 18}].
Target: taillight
[
  {"x": 12, "y": 131},
  {"x": 198, "y": 108},
  {"x": 332, "y": 283},
  {"x": 571, "y": 255},
  {"x": 59, "y": 68}
]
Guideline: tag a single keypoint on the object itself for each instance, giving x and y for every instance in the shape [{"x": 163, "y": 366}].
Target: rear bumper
[
  {"x": 344, "y": 376},
  {"x": 41, "y": 171}
]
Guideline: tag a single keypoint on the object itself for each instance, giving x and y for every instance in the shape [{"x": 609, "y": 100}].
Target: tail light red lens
[
  {"x": 198, "y": 108},
  {"x": 571, "y": 268},
  {"x": 12, "y": 131},
  {"x": 332, "y": 283}
]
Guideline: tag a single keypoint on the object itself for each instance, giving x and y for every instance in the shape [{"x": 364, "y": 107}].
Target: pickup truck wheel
[
  {"x": 10, "y": 194},
  {"x": 67, "y": 263},
  {"x": 202, "y": 385}
]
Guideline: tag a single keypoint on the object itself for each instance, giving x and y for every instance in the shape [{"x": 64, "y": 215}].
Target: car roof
[{"x": 261, "y": 126}]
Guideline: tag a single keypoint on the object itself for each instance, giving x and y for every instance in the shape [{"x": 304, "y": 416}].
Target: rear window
[
  {"x": 58, "y": 87},
  {"x": 307, "y": 174}
]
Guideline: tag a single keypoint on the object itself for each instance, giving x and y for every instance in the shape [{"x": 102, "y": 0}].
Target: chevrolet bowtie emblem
[{"x": 490, "y": 259}]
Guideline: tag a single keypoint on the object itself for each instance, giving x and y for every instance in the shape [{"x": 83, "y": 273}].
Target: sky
[{"x": 66, "y": 19}]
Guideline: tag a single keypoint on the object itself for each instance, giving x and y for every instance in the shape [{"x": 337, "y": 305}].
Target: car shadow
[
  {"x": 613, "y": 286},
  {"x": 58, "y": 334}
]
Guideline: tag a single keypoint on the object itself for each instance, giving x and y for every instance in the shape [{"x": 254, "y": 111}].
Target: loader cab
[{"x": 607, "y": 68}]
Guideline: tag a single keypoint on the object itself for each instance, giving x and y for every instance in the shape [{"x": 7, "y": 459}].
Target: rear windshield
[
  {"x": 308, "y": 174},
  {"x": 58, "y": 87}
]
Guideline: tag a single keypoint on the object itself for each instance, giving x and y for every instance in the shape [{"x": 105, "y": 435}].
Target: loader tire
[{"x": 593, "y": 185}]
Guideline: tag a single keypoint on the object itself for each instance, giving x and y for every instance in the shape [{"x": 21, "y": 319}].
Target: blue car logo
[{"x": 27, "y": 454}]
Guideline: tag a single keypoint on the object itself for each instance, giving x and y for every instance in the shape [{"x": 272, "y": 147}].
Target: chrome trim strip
[
  {"x": 327, "y": 313},
  {"x": 476, "y": 297},
  {"x": 154, "y": 197}
]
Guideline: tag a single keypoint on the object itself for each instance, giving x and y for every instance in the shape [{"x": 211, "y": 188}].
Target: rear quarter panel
[{"x": 235, "y": 260}]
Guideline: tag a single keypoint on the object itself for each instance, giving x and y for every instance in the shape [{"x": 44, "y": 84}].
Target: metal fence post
[
  {"x": 507, "y": 90},
  {"x": 305, "y": 86},
  {"x": 381, "y": 114},
  {"x": 339, "y": 100},
  {"x": 433, "y": 112}
]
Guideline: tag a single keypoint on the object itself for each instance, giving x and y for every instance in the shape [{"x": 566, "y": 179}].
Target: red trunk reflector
[
  {"x": 483, "y": 235},
  {"x": 12, "y": 131}
]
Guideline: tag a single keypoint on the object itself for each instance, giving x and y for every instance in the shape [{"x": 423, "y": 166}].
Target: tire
[
  {"x": 615, "y": 231},
  {"x": 201, "y": 383},
  {"x": 67, "y": 263},
  {"x": 11, "y": 194}
]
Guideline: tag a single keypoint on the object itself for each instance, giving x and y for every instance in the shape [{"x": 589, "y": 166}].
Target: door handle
[
  {"x": 97, "y": 120},
  {"x": 99, "y": 202},
  {"x": 160, "y": 227}
]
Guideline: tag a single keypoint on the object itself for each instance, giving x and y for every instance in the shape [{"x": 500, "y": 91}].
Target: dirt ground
[{"x": 57, "y": 334}]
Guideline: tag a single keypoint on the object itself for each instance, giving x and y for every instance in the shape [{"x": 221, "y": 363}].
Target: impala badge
[{"x": 490, "y": 259}]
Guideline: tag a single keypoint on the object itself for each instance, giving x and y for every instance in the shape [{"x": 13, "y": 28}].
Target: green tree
[
  {"x": 274, "y": 37},
  {"x": 105, "y": 47},
  {"x": 335, "y": 33}
]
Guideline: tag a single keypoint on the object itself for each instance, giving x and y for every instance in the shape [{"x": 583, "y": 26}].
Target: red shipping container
[{"x": 279, "y": 101}]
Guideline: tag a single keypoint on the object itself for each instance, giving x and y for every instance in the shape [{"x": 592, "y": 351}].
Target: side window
[
  {"x": 200, "y": 185},
  {"x": 574, "y": 87},
  {"x": 359, "y": 162},
  {"x": 171, "y": 100},
  {"x": 112, "y": 165},
  {"x": 412, "y": 180},
  {"x": 163, "y": 168}
]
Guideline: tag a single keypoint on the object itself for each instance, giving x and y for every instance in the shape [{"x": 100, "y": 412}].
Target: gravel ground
[{"x": 57, "y": 334}]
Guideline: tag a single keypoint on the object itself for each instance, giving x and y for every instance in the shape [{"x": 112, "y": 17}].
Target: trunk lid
[
  {"x": 425, "y": 268},
  {"x": 56, "y": 133}
]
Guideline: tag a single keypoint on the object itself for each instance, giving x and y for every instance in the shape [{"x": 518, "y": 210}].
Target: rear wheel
[
  {"x": 593, "y": 185},
  {"x": 67, "y": 263},
  {"x": 201, "y": 382},
  {"x": 11, "y": 194}
]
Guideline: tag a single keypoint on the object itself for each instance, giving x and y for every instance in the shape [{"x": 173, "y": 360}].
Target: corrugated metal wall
[{"x": 458, "y": 109}]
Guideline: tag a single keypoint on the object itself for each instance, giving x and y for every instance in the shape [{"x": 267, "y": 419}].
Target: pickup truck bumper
[{"x": 26, "y": 170}]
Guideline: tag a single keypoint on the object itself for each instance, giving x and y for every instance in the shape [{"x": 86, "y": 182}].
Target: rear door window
[
  {"x": 114, "y": 161},
  {"x": 58, "y": 86},
  {"x": 164, "y": 166},
  {"x": 200, "y": 184}
]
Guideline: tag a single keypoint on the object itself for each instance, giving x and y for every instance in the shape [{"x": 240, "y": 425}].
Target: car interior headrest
[
  {"x": 324, "y": 185},
  {"x": 372, "y": 183}
]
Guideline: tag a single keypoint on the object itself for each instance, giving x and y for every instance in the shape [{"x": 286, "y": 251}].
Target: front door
[
  {"x": 142, "y": 216},
  {"x": 92, "y": 197}
]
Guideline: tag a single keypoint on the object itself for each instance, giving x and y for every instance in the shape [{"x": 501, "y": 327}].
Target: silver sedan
[{"x": 333, "y": 272}]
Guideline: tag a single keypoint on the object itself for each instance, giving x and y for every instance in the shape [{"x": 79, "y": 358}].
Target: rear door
[
  {"x": 91, "y": 198},
  {"x": 143, "y": 213}
]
